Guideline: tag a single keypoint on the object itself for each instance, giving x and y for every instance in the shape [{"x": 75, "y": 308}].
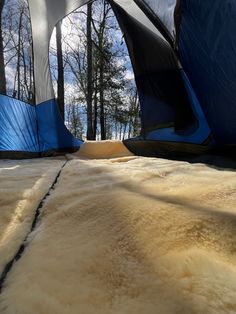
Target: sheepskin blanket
[
  {"x": 102, "y": 150},
  {"x": 130, "y": 235},
  {"x": 23, "y": 183}
]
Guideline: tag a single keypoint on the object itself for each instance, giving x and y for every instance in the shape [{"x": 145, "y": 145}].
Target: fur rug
[
  {"x": 22, "y": 186},
  {"x": 102, "y": 149},
  {"x": 131, "y": 235}
]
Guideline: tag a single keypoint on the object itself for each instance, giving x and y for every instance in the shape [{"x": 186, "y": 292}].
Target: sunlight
[{"x": 9, "y": 168}]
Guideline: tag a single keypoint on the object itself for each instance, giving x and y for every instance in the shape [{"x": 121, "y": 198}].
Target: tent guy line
[{"x": 24, "y": 244}]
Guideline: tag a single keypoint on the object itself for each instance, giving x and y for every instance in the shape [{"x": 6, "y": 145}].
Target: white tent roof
[{"x": 44, "y": 16}]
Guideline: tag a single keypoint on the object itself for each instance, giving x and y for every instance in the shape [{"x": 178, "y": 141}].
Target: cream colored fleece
[
  {"x": 131, "y": 235},
  {"x": 102, "y": 149},
  {"x": 23, "y": 183}
]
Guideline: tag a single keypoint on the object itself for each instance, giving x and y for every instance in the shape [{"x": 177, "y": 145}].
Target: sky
[
  {"x": 73, "y": 31},
  {"x": 71, "y": 34}
]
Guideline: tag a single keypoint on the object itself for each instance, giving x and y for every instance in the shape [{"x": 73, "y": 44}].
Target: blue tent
[{"x": 183, "y": 54}]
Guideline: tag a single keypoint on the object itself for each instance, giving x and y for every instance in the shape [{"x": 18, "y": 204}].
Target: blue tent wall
[
  {"x": 170, "y": 110},
  {"x": 207, "y": 50},
  {"x": 53, "y": 135},
  {"x": 33, "y": 129},
  {"x": 18, "y": 128}
]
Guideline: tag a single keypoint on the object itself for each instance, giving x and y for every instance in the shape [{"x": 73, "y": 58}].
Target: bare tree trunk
[
  {"x": 124, "y": 132},
  {"x": 26, "y": 85},
  {"x": 60, "y": 67},
  {"x": 19, "y": 56},
  {"x": 31, "y": 80},
  {"x": 101, "y": 76},
  {"x": 14, "y": 93},
  {"x": 120, "y": 136},
  {"x": 101, "y": 96},
  {"x": 136, "y": 119},
  {"x": 90, "y": 131},
  {"x": 130, "y": 126},
  {"x": 95, "y": 112},
  {"x": 2, "y": 66}
]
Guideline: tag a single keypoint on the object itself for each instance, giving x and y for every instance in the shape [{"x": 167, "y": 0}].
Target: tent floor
[{"x": 125, "y": 234}]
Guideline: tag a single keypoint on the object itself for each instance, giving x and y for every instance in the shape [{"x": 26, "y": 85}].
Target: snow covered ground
[{"x": 127, "y": 235}]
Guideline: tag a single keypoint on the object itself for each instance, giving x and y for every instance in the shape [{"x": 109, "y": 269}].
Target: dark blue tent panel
[
  {"x": 207, "y": 49},
  {"x": 162, "y": 93},
  {"x": 202, "y": 35},
  {"x": 198, "y": 133}
]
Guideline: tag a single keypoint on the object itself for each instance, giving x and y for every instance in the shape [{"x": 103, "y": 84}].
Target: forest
[{"x": 90, "y": 67}]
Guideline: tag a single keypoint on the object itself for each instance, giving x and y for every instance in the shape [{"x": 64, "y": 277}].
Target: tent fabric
[
  {"x": 183, "y": 55},
  {"x": 132, "y": 9},
  {"x": 207, "y": 50},
  {"x": 162, "y": 94},
  {"x": 53, "y": 135},
  {"x": 18, "y": 129},
  {"x": 44, "y": 16},
  {"x": 154, "y": 75},
  {"x": 199, "y": 132},
  {"x": 164, "y": 10},
  {"x": 28, "y": 129}
]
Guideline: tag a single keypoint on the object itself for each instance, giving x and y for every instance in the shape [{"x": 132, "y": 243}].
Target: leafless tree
[{"x": 2, "y": 65}]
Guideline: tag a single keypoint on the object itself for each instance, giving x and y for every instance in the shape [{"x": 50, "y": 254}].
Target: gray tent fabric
[
  {"x": 154, "y": 63},
  {"x": 162, "y": 93},
  {"x": 167, "y": 40},
  {"x": 131, "y": 8},
  {"x": 155, "y": 66},
  {"x": 164, "y": 10},
  {"x": 44, "y": 16}
]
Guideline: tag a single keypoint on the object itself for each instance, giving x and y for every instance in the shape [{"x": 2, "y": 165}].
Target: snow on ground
[
  {"x": 23, "y": 184},
  {"x": 130, "y": 235}
]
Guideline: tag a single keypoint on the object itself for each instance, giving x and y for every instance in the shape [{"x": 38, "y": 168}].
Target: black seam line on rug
[{"x": 23, "y": 246}]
